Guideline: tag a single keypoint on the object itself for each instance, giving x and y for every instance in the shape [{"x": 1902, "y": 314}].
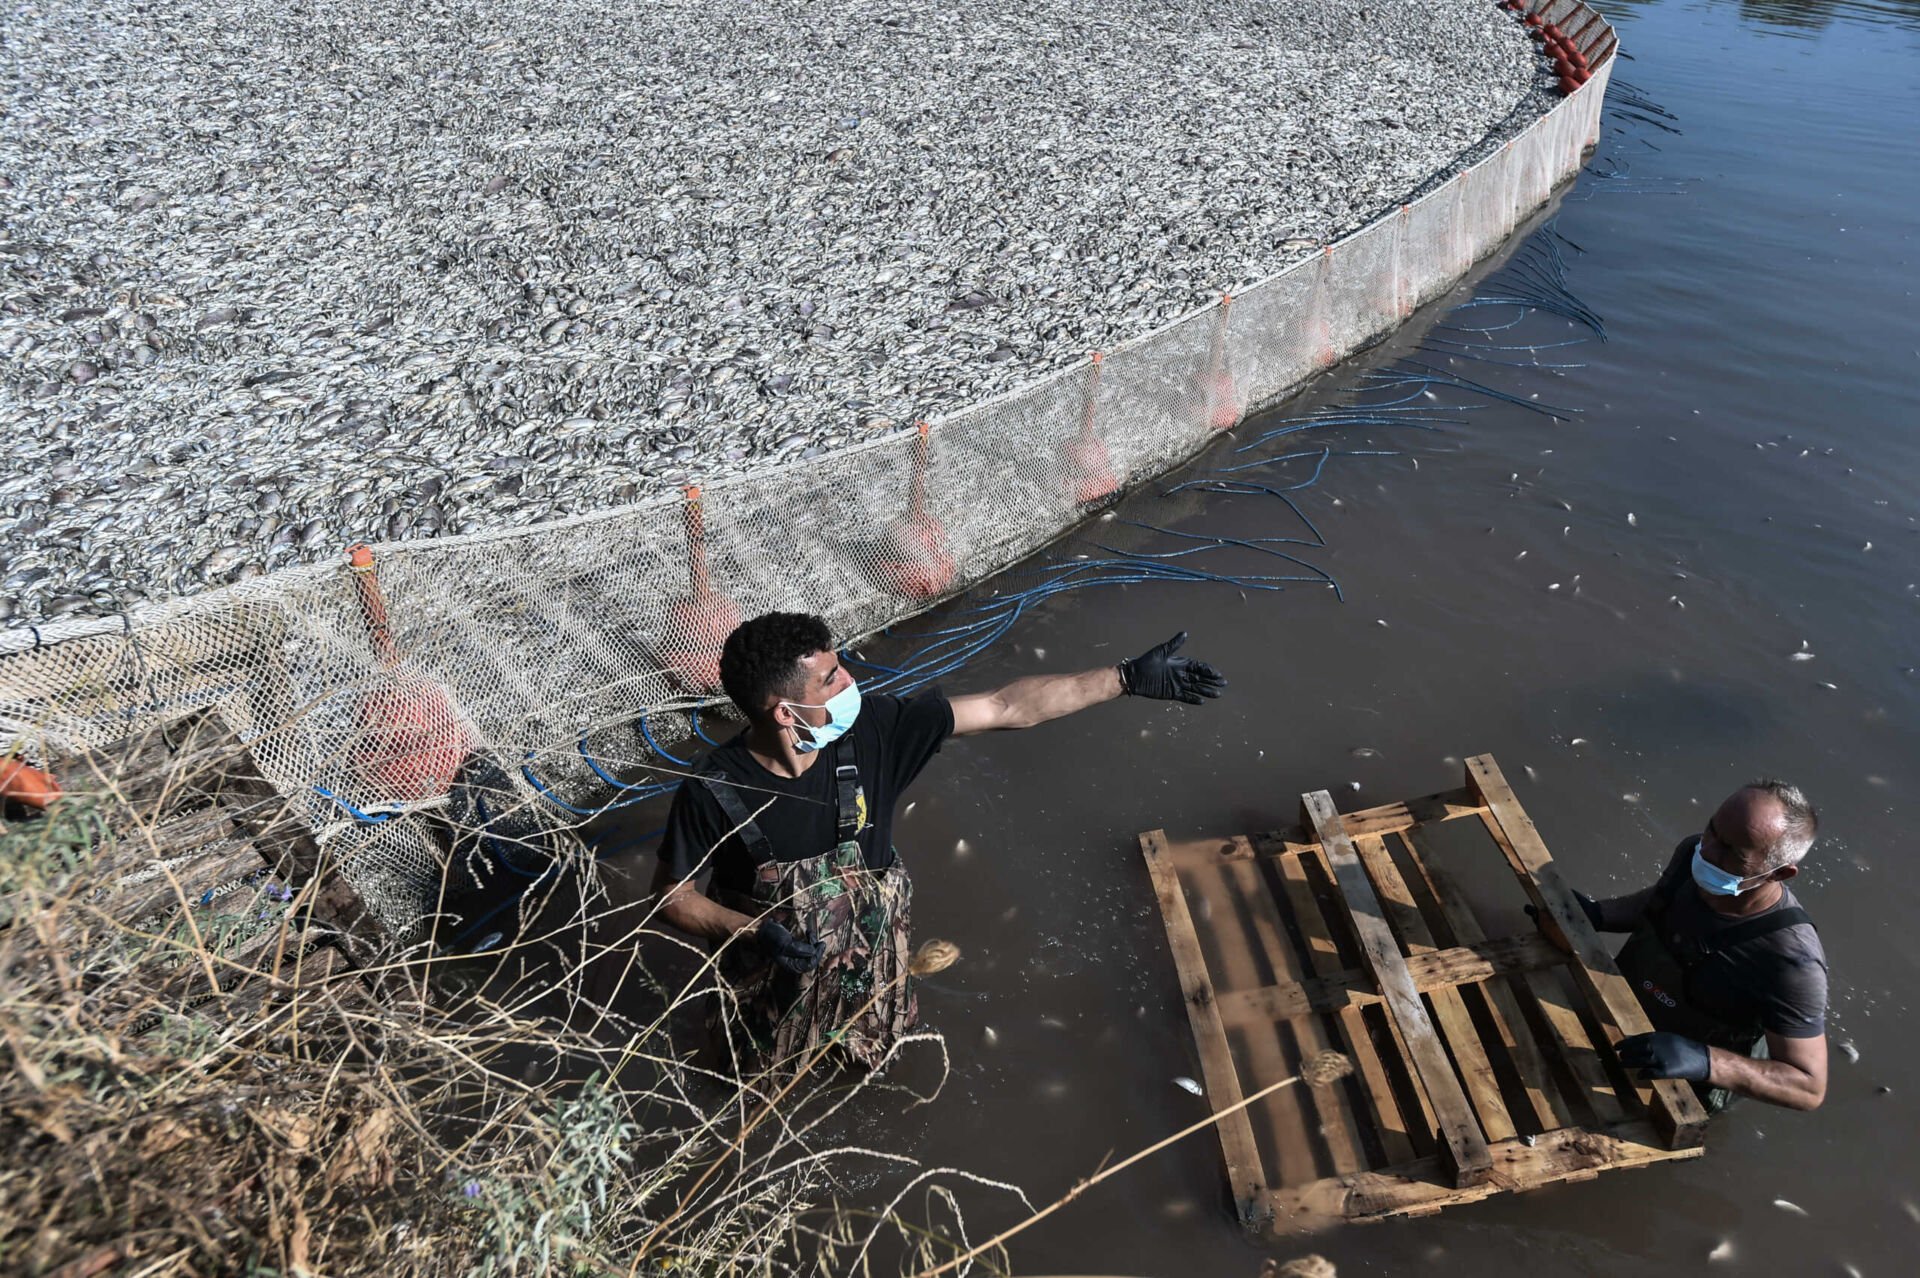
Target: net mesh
[{"x": 360, "y": 693}]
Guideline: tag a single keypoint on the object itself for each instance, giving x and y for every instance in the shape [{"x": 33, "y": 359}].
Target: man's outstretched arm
[
  {"x": 1795, "y": 1077},
  {"x": 1158, "y": 674}
]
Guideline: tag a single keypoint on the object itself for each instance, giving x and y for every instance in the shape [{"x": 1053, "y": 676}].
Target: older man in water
[{"x": 1728, "y": 966}]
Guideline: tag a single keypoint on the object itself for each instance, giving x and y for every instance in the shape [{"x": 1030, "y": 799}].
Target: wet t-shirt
[
  {"x": 892, "y": 740},
  {"x": 1778, "y": 981}
]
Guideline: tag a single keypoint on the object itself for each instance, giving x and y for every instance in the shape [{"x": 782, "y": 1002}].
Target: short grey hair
[{"x": 1802, "y": 823}]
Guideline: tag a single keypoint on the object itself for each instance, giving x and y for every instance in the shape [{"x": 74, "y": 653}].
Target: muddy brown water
[{"x": 1738, "y": 485}]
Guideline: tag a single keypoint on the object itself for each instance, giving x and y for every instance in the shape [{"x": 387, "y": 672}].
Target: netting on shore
[{"x": 361, "y": 689}]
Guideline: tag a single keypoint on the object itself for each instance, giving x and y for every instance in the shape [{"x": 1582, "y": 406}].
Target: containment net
[{"x": 532, "y": 666}]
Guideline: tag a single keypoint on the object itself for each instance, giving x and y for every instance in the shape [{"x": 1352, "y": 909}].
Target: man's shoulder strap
[
  {"x": 724, "y": 791},
  {"x": 1753, "y": 929},
  {"x": 849, "y": 799}
]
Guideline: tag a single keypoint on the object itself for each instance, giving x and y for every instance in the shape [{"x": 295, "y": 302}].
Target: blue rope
[
  {"x": 656, "y": 748},
  {"x": 693, "y": 716},
  {"x": 369, "y": 818}
]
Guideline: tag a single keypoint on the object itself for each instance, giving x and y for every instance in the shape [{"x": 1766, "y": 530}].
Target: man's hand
[
  {"x": 1551, "y": 930},
  {"x": 1158, "y": 674},
  {"x": 786, "y": 949},
  {"x": 1662, "y": 1055}
]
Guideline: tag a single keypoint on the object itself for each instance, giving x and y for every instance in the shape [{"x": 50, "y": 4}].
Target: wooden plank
[
  {"x": 1245, "y": 1179},
  {"x": 1465, "y": 1148},
  {"x": 1543, "y": 1096},
  {"x": 1323, "y": 959},
  {"x": 1418, "y": 1188},
  {"x": 1676, "y": 1110},
  {"x": 1449, "y": 1009},
  {"x": 1574, "y": 1045},
  {"x": 1388, "y": 818},
  {"x": 1337, "y": 1123},
  {"x": 1344, "y": 987},
  {"x": 1295, "y": 1158}
]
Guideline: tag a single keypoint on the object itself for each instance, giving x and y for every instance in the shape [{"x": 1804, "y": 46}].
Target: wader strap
[
  {"x": 847, "y": 795},
  {"x": 720, "y": 786},
  {"x": 1753, "y": 929}
]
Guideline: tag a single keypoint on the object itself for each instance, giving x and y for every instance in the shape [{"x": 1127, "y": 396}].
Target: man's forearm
[
  {"x": 697, "y": 914},
  {"x": 1039, "y": 698},
  {"x": 1775, "y": 1082},
  {"x": 1622, "y": 913}
]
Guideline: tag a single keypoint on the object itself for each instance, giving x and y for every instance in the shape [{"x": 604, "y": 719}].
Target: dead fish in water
[
  {"x": 1792, "y": 1209},
  {"x": 1188, "y": 1084}
]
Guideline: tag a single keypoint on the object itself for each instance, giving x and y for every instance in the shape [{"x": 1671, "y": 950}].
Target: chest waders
[
  {"x": 860, "y": 916},
  {"x": 1662, "y": 965}
]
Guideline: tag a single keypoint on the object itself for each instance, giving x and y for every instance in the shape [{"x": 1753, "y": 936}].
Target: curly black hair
[{"x": 761, "y": 658}]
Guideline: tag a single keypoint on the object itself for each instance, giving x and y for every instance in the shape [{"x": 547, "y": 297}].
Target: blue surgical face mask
[
  {"x": 842, "y": 708},
  {"x": 1716, "y": 881}
]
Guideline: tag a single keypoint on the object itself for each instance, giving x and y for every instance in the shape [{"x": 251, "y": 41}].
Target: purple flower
[{"x": 471, "y": 1189}]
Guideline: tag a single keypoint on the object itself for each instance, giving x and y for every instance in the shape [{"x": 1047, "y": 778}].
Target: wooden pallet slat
[
  {"x": 1246, "y": 1180},
  {"x": 1449, "y": 1009},
  {"x": 1390, "y": 1123},
  {"x": 1337, "y": 1127},
  {"x": 1468, "y": 1162},
  {"x": 1548, "y": 1106},
  {"x": 1677, "y": 1111}
]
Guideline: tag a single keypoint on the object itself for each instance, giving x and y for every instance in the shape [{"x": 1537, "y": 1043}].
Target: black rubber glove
[
  {"x": 1158, "y": 674},
  {"x": 786, "y": 949},
  {"x": 1661, "y": 1055},
  {"x": 1587, "y": 903}
]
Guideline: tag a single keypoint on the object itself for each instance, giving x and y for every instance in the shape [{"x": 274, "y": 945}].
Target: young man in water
[
  {"x": 1728, "y": 966},
  {"x": 809, "y": 905}
]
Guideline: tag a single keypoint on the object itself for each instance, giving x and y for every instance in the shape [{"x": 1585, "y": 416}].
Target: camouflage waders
[{"x": 861, "y": 916}]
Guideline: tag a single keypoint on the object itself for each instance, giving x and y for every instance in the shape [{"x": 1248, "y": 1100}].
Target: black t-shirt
[
  {"x": 1778, "y": 980},
  {"x": 891, "y": 741}
]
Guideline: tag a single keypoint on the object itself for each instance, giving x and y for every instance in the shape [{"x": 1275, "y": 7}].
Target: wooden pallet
[{"x": 1480, "y": 1065}]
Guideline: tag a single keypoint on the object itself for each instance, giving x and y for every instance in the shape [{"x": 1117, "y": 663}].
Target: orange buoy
[
  {"x": 1567, "y": 85},
  {"x": 915, "y": 557},
  {"x": 1219, "y": 394},
  {"x": 699, "y": 621},
  {"x": 416, "y": 738},
  {"x": 1090, "y": 476},
  {"x": 25, "y": 784}
]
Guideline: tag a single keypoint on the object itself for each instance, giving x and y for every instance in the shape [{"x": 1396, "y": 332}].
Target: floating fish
[{"x": 1188, "y": 1084}]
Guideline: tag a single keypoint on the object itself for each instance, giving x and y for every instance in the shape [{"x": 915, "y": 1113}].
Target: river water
[{"x": 1737, "y": 485}]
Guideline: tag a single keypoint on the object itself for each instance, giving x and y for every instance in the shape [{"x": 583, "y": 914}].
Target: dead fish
[{"x": 1188, "y": 1084}]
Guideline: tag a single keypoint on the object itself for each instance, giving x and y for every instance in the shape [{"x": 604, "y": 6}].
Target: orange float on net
[
  {"x": 27, "y": 785},
  {"x": 1090, "y": 476},
  {"x": 1219, "y": 393},
  {"x": 699, "y": 621},
  {"x": 915, "y": 558},
  {"x": 416, "y": 738}
]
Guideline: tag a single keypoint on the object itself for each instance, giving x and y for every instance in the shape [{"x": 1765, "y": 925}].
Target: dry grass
[{"x": 202, "y": 1091}]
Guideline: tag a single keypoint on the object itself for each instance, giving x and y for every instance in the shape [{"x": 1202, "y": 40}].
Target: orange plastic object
[
  {"x": 916, "y": 558},
  {"x": 26, "y": 784},
  {"x": 1090, "y": 476},
  {"x": 699, "y": 621}
]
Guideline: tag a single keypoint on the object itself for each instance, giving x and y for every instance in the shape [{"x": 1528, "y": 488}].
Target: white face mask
[
  {"x": 842, "y": 708},
  {"x": 1716, "y": 881}
]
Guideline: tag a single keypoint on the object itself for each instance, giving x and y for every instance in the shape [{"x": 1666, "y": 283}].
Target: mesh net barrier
[{"x": 361, "y": 690}]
